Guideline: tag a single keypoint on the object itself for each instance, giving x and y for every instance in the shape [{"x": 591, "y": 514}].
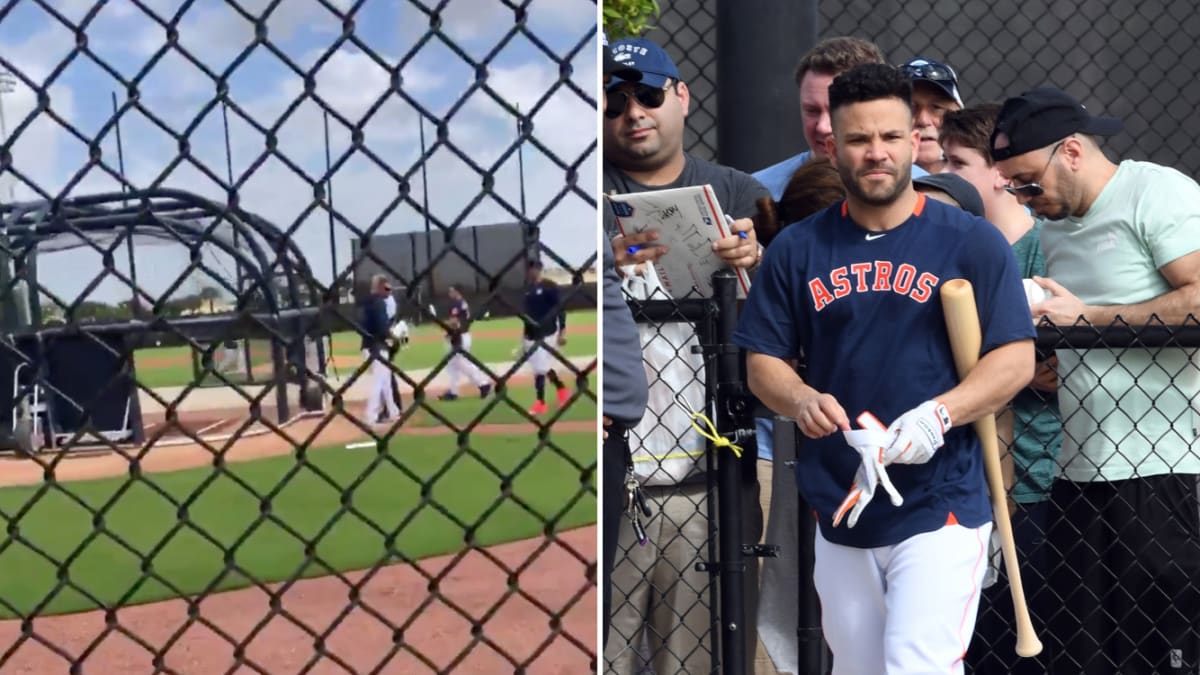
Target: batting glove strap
[
  {"x": 917, "y": 434},
  {"x": 869, "y": 443}
]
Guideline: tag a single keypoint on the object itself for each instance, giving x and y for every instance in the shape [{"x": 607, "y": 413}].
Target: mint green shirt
[
  {"x": 1037, "y": 428},
  {"x": 1127, "y": 412}
]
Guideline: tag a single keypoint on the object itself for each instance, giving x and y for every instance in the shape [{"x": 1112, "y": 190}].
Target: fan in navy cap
[
  {"x": 1121, "y": 247},
  {"x": 935, "y": 92},
  {"x": 614, "y": 68}
]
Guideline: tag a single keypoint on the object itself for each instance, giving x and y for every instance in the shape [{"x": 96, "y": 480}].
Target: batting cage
[
  {"x": 1099, "y": 454},
  {"x": 239, "y": 433}
]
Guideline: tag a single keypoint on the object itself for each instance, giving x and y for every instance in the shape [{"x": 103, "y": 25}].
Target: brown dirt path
[
  {"x": 475, "y": 584},
  {"x": 85, "y": 465}
]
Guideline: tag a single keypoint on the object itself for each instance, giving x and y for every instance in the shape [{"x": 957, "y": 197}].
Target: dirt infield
[
  {"x": 469, "y": 588},
  {"x": 311, "y": 432}
]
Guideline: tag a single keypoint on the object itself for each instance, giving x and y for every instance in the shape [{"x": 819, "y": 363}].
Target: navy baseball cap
[
  {"x": 616, "y": 68},
  {"x": 957, "y": 187},
  {"x": 1043, "y": 116},
  {"x": 653, "y": 62},
  {"x": 936, "y": 73}
]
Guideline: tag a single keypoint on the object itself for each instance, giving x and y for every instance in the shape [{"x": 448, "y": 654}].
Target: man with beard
[
  {"x": 855, "y": 290},
  {"x": 1122, "y": 246}
]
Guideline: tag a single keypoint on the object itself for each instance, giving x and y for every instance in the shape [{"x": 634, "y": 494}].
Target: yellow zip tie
[
  {"x": 712, "y": 435},
  {"x": 673, "y": 455}
]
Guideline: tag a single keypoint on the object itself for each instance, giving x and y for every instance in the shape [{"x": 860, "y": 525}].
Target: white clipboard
[{"x": 688, "y": 220}]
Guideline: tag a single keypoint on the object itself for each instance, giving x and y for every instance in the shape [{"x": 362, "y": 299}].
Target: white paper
[{"x": 688, "y": 221}]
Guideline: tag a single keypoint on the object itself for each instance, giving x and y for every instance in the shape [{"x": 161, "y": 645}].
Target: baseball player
[
  {"x": 374, "y": 348},
  {"x": 458, "y": 340},
  {"x": 545, "y": 322},
  {"x": 855, "y": 289}
]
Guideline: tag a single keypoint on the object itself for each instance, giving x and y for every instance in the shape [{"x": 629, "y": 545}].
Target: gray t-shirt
[
  {"x": 736, "y": 191},
  {"x": 624, "y": 377},
  {"x": 665, "y": 449}
]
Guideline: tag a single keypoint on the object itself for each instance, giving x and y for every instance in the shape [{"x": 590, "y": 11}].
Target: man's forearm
[
  {"x": 1172, "y": 309},
  {"x": 992, "y": 383},
  {"x": 776, "y": 383}
]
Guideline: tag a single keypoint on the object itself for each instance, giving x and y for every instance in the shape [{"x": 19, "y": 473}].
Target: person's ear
[{"x": 685, "y": 96}]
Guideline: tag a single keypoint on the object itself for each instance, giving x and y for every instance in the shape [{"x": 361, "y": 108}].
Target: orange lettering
[
  {"x": 860, "y": 270},
  {"x": 821, "y": 295},
  {"x": 883, "y": 275},
  {"x": 904, "y": 278},
  {"x": 841, "y": 287},
  {"x": 924, "y": 289}
]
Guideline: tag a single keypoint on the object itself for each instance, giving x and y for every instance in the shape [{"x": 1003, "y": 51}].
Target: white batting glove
[
  {"x": 917, "y": 434},
  {"x": 869, "y": 443}
]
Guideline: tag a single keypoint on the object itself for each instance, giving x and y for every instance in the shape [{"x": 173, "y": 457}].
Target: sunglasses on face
[
  {"x": 646, "y": 96},
  {"x": 1033, "y": 188},
  {"x": 929, "y": 71}
]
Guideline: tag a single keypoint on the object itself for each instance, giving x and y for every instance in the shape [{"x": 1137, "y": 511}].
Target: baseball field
[
  {"x": 421, "y": 525},
  {"x": 493, "y": 341}
]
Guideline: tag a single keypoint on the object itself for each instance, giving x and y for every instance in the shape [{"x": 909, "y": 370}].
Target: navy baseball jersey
[
  {"x": 461, "y": 311},
  {"x": 864, "y": 309},
  {"x": 543, "y": 316}
]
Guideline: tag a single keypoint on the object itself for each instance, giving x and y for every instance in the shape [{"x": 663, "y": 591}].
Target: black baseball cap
[
  {"x": 615, "y": 67},
  {"x": 957, "y": 187},
  {"x": 1042, "y": 116}
]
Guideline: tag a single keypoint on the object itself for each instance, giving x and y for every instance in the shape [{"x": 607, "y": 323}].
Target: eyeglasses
[
  {"x": 648, "y": 97},
  {"x": 929, "y": 71},
  {"x": 1034, "y": 188}
]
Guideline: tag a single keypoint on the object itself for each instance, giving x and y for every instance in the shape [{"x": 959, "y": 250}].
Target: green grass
[
  {"x": 507, "y": 410},
  {"x": 420, "y": 354},
  {"x": 545, "y": 486}
]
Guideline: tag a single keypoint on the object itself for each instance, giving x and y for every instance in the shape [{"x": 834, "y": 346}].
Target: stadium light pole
[{"x": 8, "y": 84}]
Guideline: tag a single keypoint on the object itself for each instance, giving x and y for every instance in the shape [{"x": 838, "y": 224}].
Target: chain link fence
[
  {"x": 1133, "y": 61},
  {"x": 685, "y": 577},
  {"x": 216, "y": 453}
]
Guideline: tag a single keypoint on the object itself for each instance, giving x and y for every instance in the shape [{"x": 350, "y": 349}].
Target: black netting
[
  {"x": 1131, "y": 607},
  {"x": 247, "y": 425}
]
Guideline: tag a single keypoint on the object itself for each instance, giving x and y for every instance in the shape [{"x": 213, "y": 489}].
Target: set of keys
[{"x": 635, "y": 506}]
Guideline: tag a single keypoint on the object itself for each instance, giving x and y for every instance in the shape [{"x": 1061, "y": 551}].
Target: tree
[
  {"x": 628, "y": 18},
  {"x": 209, "y": 294}
]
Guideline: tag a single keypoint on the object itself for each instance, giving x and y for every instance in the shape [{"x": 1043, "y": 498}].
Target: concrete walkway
[{"x": 224, "y": 398}]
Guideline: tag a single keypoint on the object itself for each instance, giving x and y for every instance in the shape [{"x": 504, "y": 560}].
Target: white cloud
[{"x": 351, "y": 83}]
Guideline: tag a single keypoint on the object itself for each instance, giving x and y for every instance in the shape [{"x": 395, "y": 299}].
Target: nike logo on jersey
[
  {"x": 873, "y": 237},
  {"x": 868, "y": 277}
]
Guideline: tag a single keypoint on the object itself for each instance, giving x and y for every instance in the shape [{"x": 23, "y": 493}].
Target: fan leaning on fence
[
  {"x": 657, "y": 590},
  {"x": 1122, "y": 246}
]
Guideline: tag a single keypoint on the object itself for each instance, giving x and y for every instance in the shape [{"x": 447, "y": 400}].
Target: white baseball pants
[
  {"x": 461, "y": 366},
  {"x": 907, "y": 609},
  {"x": 380, "y": 392},
  {"x": 539, "y": 357}
]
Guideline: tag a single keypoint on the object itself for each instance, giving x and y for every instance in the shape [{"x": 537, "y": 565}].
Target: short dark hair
[
  {"x": 869, "y": 82},
  {"x": 836, "y": 55},
  {"x": 971, "y": 128}
]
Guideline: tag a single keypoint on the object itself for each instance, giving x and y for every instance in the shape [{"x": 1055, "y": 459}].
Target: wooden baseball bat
[{"x": 962, "y": 325}]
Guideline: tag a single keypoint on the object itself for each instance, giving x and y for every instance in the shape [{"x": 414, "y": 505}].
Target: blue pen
[{"x": 729, "y": 220}]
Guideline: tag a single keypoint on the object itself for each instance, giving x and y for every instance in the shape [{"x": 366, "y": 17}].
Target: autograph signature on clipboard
[{"x": 688, "y": 221}]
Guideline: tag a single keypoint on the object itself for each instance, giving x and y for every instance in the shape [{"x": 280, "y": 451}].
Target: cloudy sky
[{"x": 347, "y": 78}]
